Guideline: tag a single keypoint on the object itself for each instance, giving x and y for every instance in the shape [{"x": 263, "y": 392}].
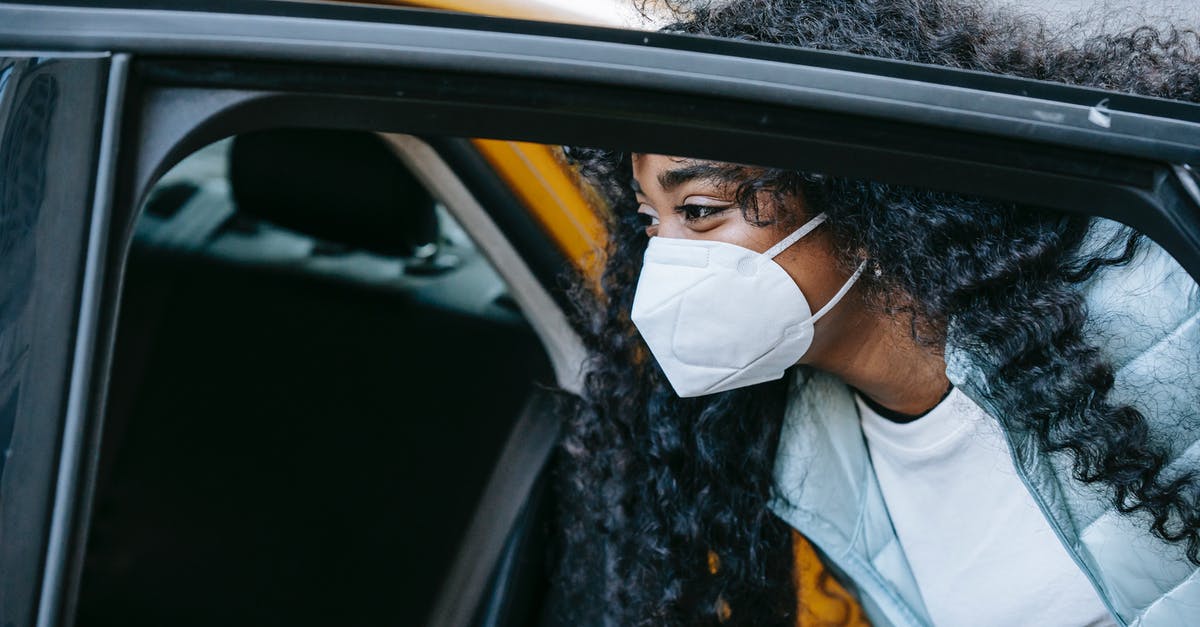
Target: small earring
[{"x": 876, "y": 269}]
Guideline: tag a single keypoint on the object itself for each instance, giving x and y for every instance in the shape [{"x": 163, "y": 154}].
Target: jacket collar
[{"x": 826, "y": 489}]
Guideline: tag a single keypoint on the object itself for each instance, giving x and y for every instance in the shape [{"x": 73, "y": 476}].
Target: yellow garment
[{"x": 820, "y": 599}]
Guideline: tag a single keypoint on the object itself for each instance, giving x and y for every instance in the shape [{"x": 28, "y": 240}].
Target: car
[{"x": 237, "y": 386}]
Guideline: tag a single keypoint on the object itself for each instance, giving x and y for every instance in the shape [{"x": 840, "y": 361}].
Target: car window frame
[
  {"x": 1045, "y": 134},
  {"x": 179, "y": 84},
  {"x": 52, "y": 112}
]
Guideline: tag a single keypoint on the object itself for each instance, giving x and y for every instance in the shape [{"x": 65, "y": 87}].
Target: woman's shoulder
[{"x": 1134, "y": 308}]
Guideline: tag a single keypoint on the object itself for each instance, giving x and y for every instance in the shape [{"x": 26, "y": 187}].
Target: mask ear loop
[
  {"x": 783, "y": 244},
  {"x": 840, "y": 293},
  {"x": 807, "y": 228}
]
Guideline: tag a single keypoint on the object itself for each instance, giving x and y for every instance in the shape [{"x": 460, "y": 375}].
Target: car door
[
  {"x": 98, "y": 100},
  {"x": 52, "y": 120}
]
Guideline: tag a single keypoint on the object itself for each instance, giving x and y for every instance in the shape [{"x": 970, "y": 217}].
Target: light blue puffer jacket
[{"x": 1146, "y": 315}]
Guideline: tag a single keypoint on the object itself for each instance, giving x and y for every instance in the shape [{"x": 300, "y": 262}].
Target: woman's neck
[{"x": 879, "y": 357}]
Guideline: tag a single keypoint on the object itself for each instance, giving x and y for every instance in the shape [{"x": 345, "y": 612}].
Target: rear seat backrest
[{"x": 346, "y": 187}]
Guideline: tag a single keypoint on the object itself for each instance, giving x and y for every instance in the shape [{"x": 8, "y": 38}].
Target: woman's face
[{"x": 683, "y": 198}]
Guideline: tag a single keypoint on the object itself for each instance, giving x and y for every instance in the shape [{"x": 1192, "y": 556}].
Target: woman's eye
[
  {"x": 647, "y": 216},
  {"x": 699, "y": 212}
]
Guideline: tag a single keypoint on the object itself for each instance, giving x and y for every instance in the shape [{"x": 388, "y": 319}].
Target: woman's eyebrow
[{"x": 670, "y": 179}]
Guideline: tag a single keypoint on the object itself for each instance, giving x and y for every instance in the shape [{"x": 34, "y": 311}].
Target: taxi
[{"x": 286, "y": 287}]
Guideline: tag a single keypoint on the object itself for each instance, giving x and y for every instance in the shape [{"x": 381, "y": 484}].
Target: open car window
[
  {"x": 156, "y": 90},
  {"x": 315, "y": 373}
]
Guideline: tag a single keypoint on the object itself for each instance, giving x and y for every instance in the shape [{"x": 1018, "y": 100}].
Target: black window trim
[
  {"x": 78, "y": 453},
  {"x": 800, "y": 78},
  {"x": 490, "y": 78}
]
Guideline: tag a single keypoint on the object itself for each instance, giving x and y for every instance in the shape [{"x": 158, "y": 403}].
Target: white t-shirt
[{"x": 981, "y": 550}]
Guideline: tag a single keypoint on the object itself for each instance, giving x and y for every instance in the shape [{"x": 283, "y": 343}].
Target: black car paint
[
  {"x": 433, "y": 73},
  {"x": 50, "y": 112}
]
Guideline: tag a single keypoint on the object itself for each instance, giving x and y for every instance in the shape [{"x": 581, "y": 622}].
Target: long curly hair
[{"x": 665, "y": 500}]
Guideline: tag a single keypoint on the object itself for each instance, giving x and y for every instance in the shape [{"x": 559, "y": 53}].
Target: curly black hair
[{"x": 655, "y": 489}]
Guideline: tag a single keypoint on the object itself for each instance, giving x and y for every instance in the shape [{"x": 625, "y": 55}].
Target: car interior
[{"x": 315, "y": 372}]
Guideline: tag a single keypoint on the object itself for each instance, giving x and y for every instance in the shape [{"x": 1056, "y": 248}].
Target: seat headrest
[{"x": 345, "y": 187}]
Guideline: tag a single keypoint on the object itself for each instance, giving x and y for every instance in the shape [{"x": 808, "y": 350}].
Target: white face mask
[{"x": 718, "y": 316}]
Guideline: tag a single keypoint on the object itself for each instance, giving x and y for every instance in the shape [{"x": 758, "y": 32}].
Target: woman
[{"x": 943, "y": 352}]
